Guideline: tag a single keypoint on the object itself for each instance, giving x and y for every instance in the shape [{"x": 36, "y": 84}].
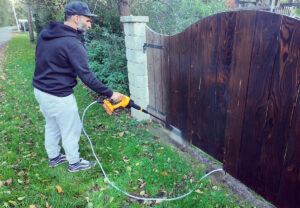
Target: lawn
[{"x": 133, "y": 158}]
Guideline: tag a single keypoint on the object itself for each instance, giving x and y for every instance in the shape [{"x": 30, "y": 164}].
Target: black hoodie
[{"x": 60, "y": 57}]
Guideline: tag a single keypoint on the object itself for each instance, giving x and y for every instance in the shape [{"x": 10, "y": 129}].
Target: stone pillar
[{"x": 135, "y": 37}]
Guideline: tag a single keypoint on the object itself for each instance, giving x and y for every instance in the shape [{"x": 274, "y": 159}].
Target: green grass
[{"x": 152, "y": 169}]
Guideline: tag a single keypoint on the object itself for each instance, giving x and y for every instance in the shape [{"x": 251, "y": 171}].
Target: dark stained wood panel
[
  {"x": 241, "y": 61},
  {"x": 280, "y": 109},
  {"x": 179, "y": 64},
  {"x": 203, "y": 76},
  {"x": 288, "y": 194},
  {"x": 254, "y": 135},
  {"x": 175, "y": 95},
  {"x": 194, "y": 82},
  {"x": 227, "y": 23}
]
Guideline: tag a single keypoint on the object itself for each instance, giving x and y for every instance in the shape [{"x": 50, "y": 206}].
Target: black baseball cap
[{"x": 78, "y": 8}]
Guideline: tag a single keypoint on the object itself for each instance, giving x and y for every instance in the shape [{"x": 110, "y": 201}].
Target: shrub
[{"x": 108, "y": 60}]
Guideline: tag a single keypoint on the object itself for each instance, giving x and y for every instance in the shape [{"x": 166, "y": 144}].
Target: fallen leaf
[
  {"x": 137, "y": 164},
  {"x": 102, "y": 189},
  {"x": 7, "y": 182},
  {"x": 21, "y": 198},
  {"x": 126, "y": 160},
  {"x": 59, "y": 189},
  {"x": 164, "y": 173},
  {"x": 142, "y": 193},
  {"x": 142, "y": 185},
  {"x": 19, "y": 181},
  {"x": 121, "y": 134},
  {"x": 13, "y": 202},
  {"x": 199, "y": 192},
  {"x": 215, "y": 187},
  {"x": 21, "y": 173},
  {"x": 105, "y": 180},
  {"x": 32, "y": 206},
  {"x": 158, "y": 201}
]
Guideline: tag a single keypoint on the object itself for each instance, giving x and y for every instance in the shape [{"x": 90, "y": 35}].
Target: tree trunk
[
  {"x": 124, "y": 9},
  {"x": 30, "y": 24}
]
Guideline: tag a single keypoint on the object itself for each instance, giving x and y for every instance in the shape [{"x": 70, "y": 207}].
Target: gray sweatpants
[{"x": 62, "y": 122}]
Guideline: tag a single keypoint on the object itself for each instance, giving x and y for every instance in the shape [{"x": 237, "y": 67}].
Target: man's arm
[{"x": 79, "y": 61}]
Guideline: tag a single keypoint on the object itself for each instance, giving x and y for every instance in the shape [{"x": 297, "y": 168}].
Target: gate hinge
[{"x": 152, "y": 46}]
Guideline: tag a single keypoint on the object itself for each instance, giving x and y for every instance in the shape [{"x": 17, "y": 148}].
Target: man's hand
[{"x": 116, "y": 97}]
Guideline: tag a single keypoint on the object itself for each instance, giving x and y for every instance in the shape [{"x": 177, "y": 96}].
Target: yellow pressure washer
[{"x": 126, "y": 102}]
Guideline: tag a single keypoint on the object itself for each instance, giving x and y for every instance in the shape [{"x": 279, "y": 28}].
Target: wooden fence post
[{"x": 135, "y": 37}]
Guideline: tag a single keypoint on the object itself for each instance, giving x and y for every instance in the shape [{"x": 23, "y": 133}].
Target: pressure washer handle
[{"x": 109, "y": 108}]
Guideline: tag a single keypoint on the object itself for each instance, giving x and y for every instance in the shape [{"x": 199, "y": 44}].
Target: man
[{"x": 60, "y": 58}]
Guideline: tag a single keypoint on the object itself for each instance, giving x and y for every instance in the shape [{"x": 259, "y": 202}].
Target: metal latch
[{"x": 151, "y": 46}]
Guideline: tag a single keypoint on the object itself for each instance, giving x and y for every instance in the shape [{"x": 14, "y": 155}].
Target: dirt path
[
  {"x": 4, "y": 39},
  {"x": 2, "y": 49},
  {"x": 5, "y": 35}
]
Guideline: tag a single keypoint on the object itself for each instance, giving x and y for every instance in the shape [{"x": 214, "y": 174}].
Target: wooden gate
[{"x": 231, "y": 83}]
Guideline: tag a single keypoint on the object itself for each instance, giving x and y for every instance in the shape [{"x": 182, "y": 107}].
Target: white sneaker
[{"x": 81, "y": 165}]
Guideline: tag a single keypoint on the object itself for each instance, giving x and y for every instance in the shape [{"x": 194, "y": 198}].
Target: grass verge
[{"x": 134, "y": 159}]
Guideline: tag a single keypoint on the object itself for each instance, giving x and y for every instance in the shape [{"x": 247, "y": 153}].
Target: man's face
[{"x": 84, "y": 24}]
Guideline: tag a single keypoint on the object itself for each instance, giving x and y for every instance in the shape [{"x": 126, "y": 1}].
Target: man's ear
[{"x": 76, "y": 19}]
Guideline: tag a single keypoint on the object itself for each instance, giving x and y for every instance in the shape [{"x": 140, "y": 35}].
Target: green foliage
[
  {"x": 173, "y": 16},
  {"x": 21, "y": 9},
  {"x": 107, "y": 59},
  {"x": 6, "y": 14},
  {"x": 45, "y": 11}
]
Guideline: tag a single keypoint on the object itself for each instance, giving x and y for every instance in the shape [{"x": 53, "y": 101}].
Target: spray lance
[{"x": 126, "y": 102}]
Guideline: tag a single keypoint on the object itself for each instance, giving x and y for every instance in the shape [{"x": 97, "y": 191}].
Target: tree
[
  {"x": 6, "y": 15},
  {"x": 30, "y": 25}
]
